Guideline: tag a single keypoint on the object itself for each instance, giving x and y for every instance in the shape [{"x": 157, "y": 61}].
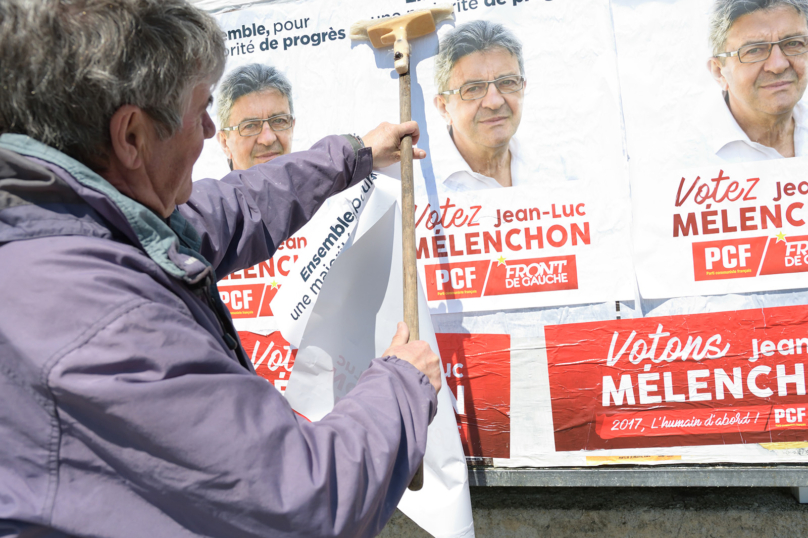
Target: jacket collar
[{"x": 173, "y": 246}]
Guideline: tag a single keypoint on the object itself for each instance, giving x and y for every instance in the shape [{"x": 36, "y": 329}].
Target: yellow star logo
[
  {"x": 500, "y": 261},
  {"x": 274, "y": 285},
  {"x": 781, "y": 237}
]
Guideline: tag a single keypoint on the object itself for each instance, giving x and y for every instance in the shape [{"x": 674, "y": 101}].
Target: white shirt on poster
[
  {"x": 457, "y": 175},
  {"x": 732, "y": 144}
]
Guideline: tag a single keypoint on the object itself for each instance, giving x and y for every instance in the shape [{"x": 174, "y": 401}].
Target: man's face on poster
[
  {"x": 247, "y": 151},
  {"x": 491, "y": 121},
  {"x": 775, "y": 85}
]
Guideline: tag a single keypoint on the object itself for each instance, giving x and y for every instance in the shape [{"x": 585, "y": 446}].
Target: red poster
[
  {"x": 271, "y": 355},
  {"x": 247, "y": 293},
  {"x": 460, "y": 280},
  {"x": 269, "y": 294},
  {"x": 788, "y": 255},
  {"x": 741, "y": 258},
  {"x": 243, "y": 301},
  {"x": 702, "y": 379},
  {"x": 478, "y": 372},
  {"x": 249, "y": 300},
  {"x": 533, "y": 275},
  {"x": 728, "y": 258},
  {"x": 467, "y": 280}
]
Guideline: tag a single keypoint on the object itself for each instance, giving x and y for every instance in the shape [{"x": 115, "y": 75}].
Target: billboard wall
[{"x": 612, "y": 263}]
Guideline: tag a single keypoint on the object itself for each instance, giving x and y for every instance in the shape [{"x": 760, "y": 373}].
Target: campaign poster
[
  {"x": 559, "y": 156},
  {"x": 250, "y": 293},
  {"x": 703, "y": 388},
  {"x": 478, "y": 372},
  {"x": 716, "y": 133},
  {"x": 271, "y": 356},
  {"x": 524, "y": 199},
  {"x": 720, "y": 229},
  {"x": 493, "y": 250},
  {"x": 707, "y": 379}
]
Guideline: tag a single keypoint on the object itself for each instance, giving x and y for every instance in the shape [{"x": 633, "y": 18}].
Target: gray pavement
[{"x": 628, "y": 512}]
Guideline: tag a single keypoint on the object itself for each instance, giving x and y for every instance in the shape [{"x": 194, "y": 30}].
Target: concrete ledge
[
  {"x": 646, "y": 476},
  {"x": 621, "y": 512}
]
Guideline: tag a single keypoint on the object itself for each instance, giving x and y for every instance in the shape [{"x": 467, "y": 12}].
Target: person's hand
[
  {"x": 385, "y": 142},
  {"x": 416, "y": 353}
]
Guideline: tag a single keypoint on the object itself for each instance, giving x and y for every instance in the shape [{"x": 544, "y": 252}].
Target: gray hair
[
  {"x": 726, "y": 12},
  {"x": 471, "y": 37},
  {"x": 250, "y": 79},
  {"x": 69, "y": 65}
]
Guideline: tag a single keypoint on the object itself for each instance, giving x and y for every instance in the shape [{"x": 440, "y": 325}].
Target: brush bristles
[
  {"x": 442, "y": 13},
  {"x": 359, "y": 30}
]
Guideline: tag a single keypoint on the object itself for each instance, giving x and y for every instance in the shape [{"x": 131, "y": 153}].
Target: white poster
[
  {"x": 717, "y": 140},
  {"x": 721, "y": 229},
  {"x": 495, "y": 250},
  {"x": 335, "y": 348},
  {"x": 250, "y": 293}
]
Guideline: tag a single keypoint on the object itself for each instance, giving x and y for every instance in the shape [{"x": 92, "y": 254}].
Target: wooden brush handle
[
  {"x": 408, "y": 217},
  {"x": 408, "y": 234}
]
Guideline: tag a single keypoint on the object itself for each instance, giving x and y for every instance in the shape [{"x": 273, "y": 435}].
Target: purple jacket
[{"x": 127, "y": 407}]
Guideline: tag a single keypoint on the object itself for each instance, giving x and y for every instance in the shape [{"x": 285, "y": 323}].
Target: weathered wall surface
[{"x": 628, "y": 512}]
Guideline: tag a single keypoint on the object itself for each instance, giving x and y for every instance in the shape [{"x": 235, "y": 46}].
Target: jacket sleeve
[
  {"x": 245, "y": 215},
  {"x": 157, "y": 417}
]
